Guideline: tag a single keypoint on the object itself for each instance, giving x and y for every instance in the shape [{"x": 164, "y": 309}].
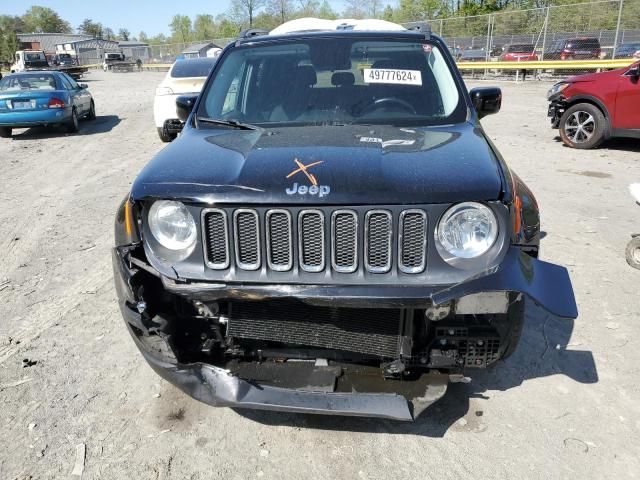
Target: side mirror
[
  {"x": 486, "y": 100},
  {"x": 184, "y": 105},
  {"x": 83, "y": 86},
  {"x": 634, "y": 72}
]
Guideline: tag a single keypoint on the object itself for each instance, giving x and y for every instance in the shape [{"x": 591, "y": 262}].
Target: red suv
[
  {"x": 519, "y": 52},
  {"x": 594, "y": 107}
]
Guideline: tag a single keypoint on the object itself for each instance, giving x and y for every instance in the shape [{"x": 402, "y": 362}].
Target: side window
[
  {"x": 17, "y": 57},
  {"x": 72, "y": 82},
  {"x": 65, "y": 83}
]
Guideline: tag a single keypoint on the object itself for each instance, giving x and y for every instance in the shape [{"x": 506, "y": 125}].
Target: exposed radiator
[{"x": 367, "y": 331}]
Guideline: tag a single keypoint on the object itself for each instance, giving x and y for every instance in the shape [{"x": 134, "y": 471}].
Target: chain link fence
[
  {"x": 611, "y": 22},
  {"x": 167, "y": 53}
]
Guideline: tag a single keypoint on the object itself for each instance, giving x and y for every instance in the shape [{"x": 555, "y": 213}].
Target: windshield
[
  {"x": 33, "y": 81},
  {"x": 334, "y": 81},
  {"x": 33, "y": 57},
  {"x": 192, "y": 68},
  {"x": 113, "y": 56}
]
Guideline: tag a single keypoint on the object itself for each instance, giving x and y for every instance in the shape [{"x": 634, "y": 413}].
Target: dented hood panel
[{"x": 354, "y": 164}]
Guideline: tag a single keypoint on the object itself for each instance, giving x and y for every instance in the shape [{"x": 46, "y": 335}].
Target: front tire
[
  {"x": 5, "y": 132},
  {"x": 166, "y": 137},
  {"x": 633, "y": 253},
  {"x": 583, "y": 126},
  {"x": 92, "y": 111},
  {"x": 73, "y": 126}
]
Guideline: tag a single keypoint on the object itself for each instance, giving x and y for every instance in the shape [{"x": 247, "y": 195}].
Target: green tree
[
  {"x": 280, "y": 9},
  {"x": 204, "y": 27},
  {"x": 143, "y": 37},
  {"x": 89, "y": 27},
  {"x": 9, "y": 26},
  {"x": 244, "y": 12},
  {"x": 44, "y": 20},
  {"x": 180, "y": 28},
  {"x": 325, "y": 11},
  {"x": 108, "y": 34},
  {"x": 124, "y": 34}
]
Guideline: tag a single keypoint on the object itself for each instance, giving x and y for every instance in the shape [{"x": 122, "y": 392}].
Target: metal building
[
  {"x": 135, "y": 50},
  {"x": 88, "y": 51}
]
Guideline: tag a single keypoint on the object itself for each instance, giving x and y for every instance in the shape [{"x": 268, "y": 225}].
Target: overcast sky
[{"x": 152, "y": 16}]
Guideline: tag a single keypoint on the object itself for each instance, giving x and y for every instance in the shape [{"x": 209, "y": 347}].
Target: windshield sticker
[{"x": 392, "y": 76}]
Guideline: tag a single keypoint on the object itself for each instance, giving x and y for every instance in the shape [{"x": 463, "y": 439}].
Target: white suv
[{"x": 184, "y": 77}]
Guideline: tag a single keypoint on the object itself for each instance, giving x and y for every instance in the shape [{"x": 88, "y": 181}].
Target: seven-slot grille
[{"x": 299, "y": 238}]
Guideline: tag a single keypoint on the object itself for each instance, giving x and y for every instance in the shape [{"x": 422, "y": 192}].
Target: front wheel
[
  {"x": 92, "y": 111},
  {"x": 583, "y": 126},
  {"x": 165, "y": 136},
  {"x": 5, "y": 132},
  {"x": 73, "y": 126},
  {"x": 633, "y": 252}
]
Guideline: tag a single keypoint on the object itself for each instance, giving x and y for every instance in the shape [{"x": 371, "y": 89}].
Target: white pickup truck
[{"x": 29, "y": 60}]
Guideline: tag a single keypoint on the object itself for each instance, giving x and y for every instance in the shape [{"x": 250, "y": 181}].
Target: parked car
[
  {"x": 184, "y": 76},
  {"x": 627, "y": 50},
  {"x": 46, "y": 98},
  {"x": 332, "y": 237},
  {"x": 588, "y": 109},
  {"x": 582, "y": 48},
  {"x": 477, "y": 55},
  {"x": 519, "y": 52},
  {"x": 117, "y": 62},
  {"x": 25, "y": 60}
]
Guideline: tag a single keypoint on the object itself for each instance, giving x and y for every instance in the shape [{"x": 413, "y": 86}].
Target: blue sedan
[{"x": 43, "y": 98}]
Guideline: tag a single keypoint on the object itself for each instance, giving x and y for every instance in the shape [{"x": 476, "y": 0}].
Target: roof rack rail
[
  {"x": 252, "y": 32},
  {"x": 422, "y": 27}
]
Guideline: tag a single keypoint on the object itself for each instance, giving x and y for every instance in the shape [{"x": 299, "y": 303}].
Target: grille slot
[
  {"x": 378, "y": 230},
  {"x": 344, "y": 241},
  {"x": 247, "y": 239},
  {"x": 413, "y": 241},
  {"x": 363, "y": 330},
  {"x": 216, "y": 235},
  {"x": 311, "y": 240},
  {"x": 279, "y": 240}
]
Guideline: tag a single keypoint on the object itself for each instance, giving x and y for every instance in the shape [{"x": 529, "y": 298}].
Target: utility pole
[
  {"x": 544, "y": 35},
  {"x": 615, "y": 40}
]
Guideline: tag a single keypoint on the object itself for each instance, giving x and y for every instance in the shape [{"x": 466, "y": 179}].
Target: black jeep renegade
[{"x": 332, "y": 232}]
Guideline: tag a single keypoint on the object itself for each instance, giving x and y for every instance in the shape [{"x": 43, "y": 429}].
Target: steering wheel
[{"x": 382, "y": 102}]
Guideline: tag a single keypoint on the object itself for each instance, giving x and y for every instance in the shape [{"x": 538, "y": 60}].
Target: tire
[
  {"x": 5, "y": 132},
  {"x": 583, "y": 126},
  {"x": 633, "y": 252},
  {"x": 73, "y": 126},
  {"x": 166, "y": 137},
  {"x": 92, "y": 111}
]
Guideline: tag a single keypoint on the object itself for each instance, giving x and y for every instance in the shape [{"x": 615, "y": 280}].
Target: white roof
[{"x": 320, "y": 25}]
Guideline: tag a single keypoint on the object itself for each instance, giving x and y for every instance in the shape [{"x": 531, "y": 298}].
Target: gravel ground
[{"x": 565, "y": 405}]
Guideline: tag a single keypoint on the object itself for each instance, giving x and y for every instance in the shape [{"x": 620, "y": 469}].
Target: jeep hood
[{"x": 334, "y": 165}]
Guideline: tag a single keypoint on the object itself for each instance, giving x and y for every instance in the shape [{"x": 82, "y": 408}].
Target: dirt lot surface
[{"x": 565, "y": 406}]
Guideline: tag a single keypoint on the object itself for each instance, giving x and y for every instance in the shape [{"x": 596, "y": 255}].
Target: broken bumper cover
[
  {"x": 546, "y": 284},
  {"x": 217, "y": 387}
]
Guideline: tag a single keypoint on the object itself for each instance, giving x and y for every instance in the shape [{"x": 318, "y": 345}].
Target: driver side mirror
[
  {"x": 83, "y": 86},
  {"x": 486, "y": 100},
  {"x": 184, "y": 105},
  {"x": 634, "y": 72}
]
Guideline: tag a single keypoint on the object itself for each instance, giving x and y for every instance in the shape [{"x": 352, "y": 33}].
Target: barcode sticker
[{"x": 393, "y": 76}]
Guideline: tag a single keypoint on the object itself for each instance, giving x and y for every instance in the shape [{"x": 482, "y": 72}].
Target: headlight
[
  {"x": 467, "y": 230},
  {"x": 172, "y": 225},
  {"x": 557, "y": 88},
  {"x": 164, "y": 91}
]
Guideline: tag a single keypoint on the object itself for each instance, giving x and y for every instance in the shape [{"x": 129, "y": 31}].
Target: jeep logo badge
[{"x": 314, "y": 188}]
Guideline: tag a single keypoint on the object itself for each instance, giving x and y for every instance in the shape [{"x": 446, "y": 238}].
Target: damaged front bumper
[{"x": 332, "y": 387}]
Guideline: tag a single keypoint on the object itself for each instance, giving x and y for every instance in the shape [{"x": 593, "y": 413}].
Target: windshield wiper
[{"x": 227, "y": 123}]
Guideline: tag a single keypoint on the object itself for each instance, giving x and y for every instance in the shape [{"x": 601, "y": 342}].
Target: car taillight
[{"x": 56, "y": 103}]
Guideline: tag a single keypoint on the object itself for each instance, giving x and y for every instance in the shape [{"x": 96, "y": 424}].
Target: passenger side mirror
[
  {"x": 184, "y": 105},
  {"x": 486, "y": 100},
  {"x": 634, "y": 72},
  {"x": 83, "y": 86}
]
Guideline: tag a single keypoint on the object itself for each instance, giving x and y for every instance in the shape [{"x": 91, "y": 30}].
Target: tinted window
[
  {"x": 32, "y": 81},
  {"x": 335, "y": 80},
  {"x": 524, "y": 47},
  {"x": 192, "y": 68},
  {"x": 585, "y": 43}
]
